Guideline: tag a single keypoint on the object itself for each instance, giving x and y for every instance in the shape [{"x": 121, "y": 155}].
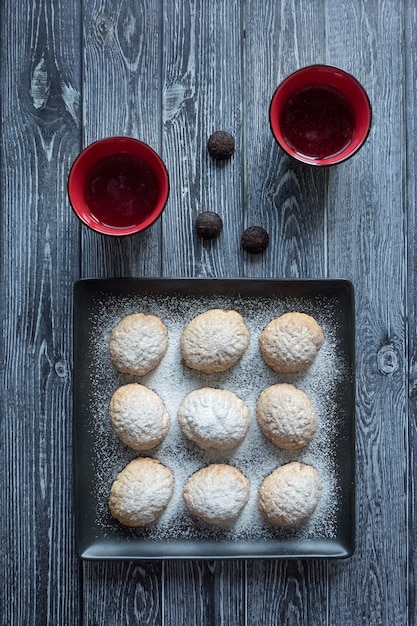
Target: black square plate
[{"x": 98, "y": 455}]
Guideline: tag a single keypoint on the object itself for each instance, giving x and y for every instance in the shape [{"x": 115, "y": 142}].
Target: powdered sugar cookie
[
  {"x": 289, "y": 496},
  {"x": 138, "y": 416},
  {"x": 214, "y": 419},
  {"x": 141, "y": 492},
  {"x": 214, "y": 341},
  {"x": 290, "y": 343},
  {"x": 286, "y": 416},
  {"x": 138, "y": 343},
  {"x": 216, "y": 494}
]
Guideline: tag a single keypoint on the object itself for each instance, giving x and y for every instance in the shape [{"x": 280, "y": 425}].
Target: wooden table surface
[{"x": 170, "y": 72}]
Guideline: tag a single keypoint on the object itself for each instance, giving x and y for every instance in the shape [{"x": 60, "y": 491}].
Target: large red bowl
[
  {"x": 327, "y": 76},
  {"x": 93, "y": 155}
]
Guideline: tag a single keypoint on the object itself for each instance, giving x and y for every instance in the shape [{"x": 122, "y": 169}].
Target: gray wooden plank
[
  {"x": 366, "y": 244},
  {"x": 122, "y": 96},
  {"x": 122, "y": 595},
  {"x": 201, "y": 94},
  {"x": 289, "y": 200},
  {"x": 410, "y": 60},
  {"x": 294, "y": 589},
  {"x": 210, "y": 593},
  {"x": 281, "y": 195},
  {"x": 39, "y": 100}
]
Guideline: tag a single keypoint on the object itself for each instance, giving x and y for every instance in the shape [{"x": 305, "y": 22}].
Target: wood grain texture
[
  {"x": 283, "y": 196},
  {"x": 122, "y": 595},
  {"x": 202, "y": 93},
  {"x": 410, "y": 61},
  {"x": 289, "y": 200},
  {"x": 201, "y": 89},
  {"x": 39, "y": 99},
  {"x": 122, "y": 96},
  {"x": 286, "y": 592},
  {"x": 366, "y": 244},
  {"x": 209, "y": 593}
]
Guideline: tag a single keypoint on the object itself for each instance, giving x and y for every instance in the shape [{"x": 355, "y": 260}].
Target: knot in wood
[
  {"x": 61, "y": 369},
  {"x": 40, "y": 85},
  {"x": 387, "y": 360},
  {"x": 103, "y": 26}
]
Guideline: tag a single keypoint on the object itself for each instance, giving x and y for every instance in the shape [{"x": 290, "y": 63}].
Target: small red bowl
[
  {"x": 329, "y": 78},
  {"x": 118, "y": 186}
]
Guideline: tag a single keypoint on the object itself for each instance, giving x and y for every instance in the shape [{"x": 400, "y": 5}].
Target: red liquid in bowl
[
  {"x": 121, "y": 190},
  {"x": 317, "y": 121}
]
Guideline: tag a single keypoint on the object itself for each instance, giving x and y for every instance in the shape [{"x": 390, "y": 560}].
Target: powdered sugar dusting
[{"x": 255, "y": 457}]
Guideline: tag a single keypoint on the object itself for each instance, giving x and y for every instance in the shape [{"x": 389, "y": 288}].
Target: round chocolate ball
[
  {"x": 208, "y": 225},
  {"x": 221, "y": 145},
  {"x": 255, "y": 239}
]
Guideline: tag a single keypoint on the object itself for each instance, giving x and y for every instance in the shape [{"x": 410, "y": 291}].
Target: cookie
[
  {"x": 291, "y": 342},
  {"x": 214, "y": 419},
  {"x": 216, "y": 494},
  {"x": 138, "y": 416},
  {"x": 138, "y": 343},
  {"x": 290, "y": 494},
  {"x": 286, "y": 416},
  {"x": 214, "y": 341},
  {"x": 141, "y": 492}
]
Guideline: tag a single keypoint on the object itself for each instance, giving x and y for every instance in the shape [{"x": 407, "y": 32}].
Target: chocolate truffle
[
  {"x": 208, "y": 225},
  {"x": 255, "y": 239},
  {"x": 221, "y": 145}
]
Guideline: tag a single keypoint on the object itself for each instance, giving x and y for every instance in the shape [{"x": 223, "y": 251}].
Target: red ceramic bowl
[
  {"x": 118, "y": 186},
  {"x": 320, "y": 115}
]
